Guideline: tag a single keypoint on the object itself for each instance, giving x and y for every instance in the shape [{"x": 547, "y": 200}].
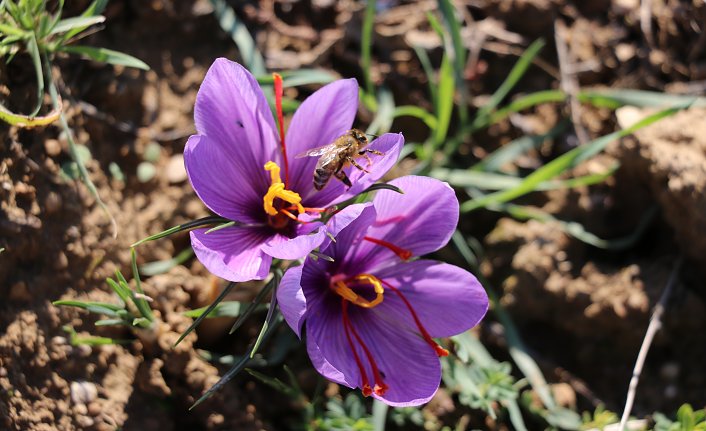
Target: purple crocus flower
[
  {"x": 371, "y": 313},
  {"x": 239, "y": 166}
]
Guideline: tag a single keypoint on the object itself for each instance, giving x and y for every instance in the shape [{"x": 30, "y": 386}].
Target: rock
[{"x": 176, "y": 172}]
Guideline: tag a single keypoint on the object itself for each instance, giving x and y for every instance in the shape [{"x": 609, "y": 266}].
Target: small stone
[
  {"x": 52, "y": 147},
  {"x": 94, "y": 409},
  {"x": 85, "y": 422},
  {"x": 61, "y": 262},
  {"x": 52, "y": 203},
  {"x": 83, "y": 392},
  {"x": 176, "y": 172}
]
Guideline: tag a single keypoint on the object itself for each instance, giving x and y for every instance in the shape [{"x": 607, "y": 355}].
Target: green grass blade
[
  {"x": 366, "y": 44},
  {"x": 104, "y": 55},
  {"x": 160, "y": 267},
  {"x": 459, "y": 55},
  {"x": 230, "y": 23},
  {"x": 95, "y": 8},
  {"x": 276, "y": 277},
  {"x": 269, "y": 319},
  {"x": 236, "y": 368},
  {"x": 517, "y": 72},
  {"x": 379, "y": 415},
  {"x": 73, "y": 148},
  {"x": 33, "y": 50},
  {"x": 27, "y": 121},
  {"x": 206, "y": 312},
  {"x": 206, "y": 221},
  {"x": 445, "y": 102},
  {"x": 83, "y": 22},
  {"x": 223, "y": 309},
  {"x": 91, "y": 306},
  {"x": 140, "y": 303},
  {"x": 429, "y": 72},
  {"x": 616, "y": 97},
  {"x": 562, "y": 164},
  {"x": 119, "y": 289},
  {"x": 416, "y": 112},
  {"x": 295, "y": 78},
  {"x": 512, "y": 150},
  {"x": 385, "y": 113}
]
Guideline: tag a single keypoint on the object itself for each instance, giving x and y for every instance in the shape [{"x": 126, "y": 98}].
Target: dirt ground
[{"x": 582, "y": 310}]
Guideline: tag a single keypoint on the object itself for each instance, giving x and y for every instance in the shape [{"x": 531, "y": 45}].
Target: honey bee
[{"x": 339, "y": 154}]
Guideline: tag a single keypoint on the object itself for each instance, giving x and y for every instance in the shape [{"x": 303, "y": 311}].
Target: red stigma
[
  {"x": 440, "y": 351},
  {"x": 399, "y": 251},
  {"x": 279, "y": 91},
  {"x": 380, "y": 386}
]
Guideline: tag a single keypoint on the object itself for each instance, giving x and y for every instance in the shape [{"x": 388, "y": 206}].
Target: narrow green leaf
[
  {"x": 379, "y": 415},
  {"x": 366, "y": 43},
  {"x": 230, "y": 23},
  {"x": 233, "y": 371},
  {"x": 563, "y": 163},
  {"x": 224, "y": 309},
  {"x": 182, "y": 227},
  {"x": 140, "y": 303},
  {"x": 104, "y": 55},
  {"x": 429, "y": 72},
  {"x": 162, "y": 266},
  {"x": 7, "y": 29},
  {"x": 445, "y": 101},
  {"x": 95, "y": 8},
  {"x": 417, "y": 112},
  {"x": 83, "y": 22},
  {"x": 385, "y": 111},
  {"x": 33, "y": 50},
  {"x": 269, "y": 319},
  {"x": 274, "y": 383},
  {"x": 91, "y": 306},
  {"x": 512, "y": 150},
  {"x": 453, "y": 25},
  {"x": 295, "y": 78},
  {"x": 27, "y": 121},
  {"x": 206, "y": 312},
  {"x": 111, "y": 322},
  {"x": 276, "y": 277}
]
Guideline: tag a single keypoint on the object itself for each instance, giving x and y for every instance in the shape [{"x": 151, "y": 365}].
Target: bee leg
[
  {"x": 343, "y": 177},
  {"x": 354, "y": 163},
  {"x": 376, "y": 152}
]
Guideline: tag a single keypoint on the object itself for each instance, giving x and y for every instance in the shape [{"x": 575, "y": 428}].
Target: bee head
[{"x": 359, "y": 136}]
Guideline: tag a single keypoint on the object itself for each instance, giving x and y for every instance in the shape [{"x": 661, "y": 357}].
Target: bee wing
[{"x": 315, "y": 152}]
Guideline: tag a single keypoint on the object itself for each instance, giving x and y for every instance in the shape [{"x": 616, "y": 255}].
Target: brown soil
[{"x": 582, "y": 310}]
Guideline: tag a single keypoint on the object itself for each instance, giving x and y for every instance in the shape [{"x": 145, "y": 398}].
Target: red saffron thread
[
  {"x": 279, "y": 91},
  {"x": 367, "y": 391},
  {"x": 440, "y": 351},
  {"x": 399, "y": 251},
  {"x": 380, "y": 386}
]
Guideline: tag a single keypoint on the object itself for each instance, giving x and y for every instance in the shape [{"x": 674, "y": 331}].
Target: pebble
[
  {"x": 176, "y": 172},
  {"x": 94, "y": 409},
  {"x": 83, "y": 392},
  {"x": 52, "y": 203},
  {"x": 52, "y": 147}
]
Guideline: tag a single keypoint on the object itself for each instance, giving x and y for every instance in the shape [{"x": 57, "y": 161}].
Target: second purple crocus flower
[
  {"x": 370, "y": 315},
  {"x": 238, "y": 167}
]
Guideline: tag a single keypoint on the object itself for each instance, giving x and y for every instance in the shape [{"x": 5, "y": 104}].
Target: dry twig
[
  {"x": 652, "y": 328},
  {"x": 568, "y": 80}
]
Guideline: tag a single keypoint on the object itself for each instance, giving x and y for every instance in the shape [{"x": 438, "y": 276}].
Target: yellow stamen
[
  {"x": 277, "y": 190},
  {"x": 341, "y": 288}
]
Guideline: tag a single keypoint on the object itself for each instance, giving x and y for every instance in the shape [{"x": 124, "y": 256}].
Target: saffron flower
[
  {"x": 243, "y": 169},
  {"x": 371, "y": 314}
]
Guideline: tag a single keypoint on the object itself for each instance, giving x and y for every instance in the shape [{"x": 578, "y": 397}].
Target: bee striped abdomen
[{"x": 321, "y": 177}]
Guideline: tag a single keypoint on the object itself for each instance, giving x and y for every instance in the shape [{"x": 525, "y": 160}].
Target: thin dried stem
[
  {"x": 568, "y": 80},
  {"x": 652, "y": 328}
]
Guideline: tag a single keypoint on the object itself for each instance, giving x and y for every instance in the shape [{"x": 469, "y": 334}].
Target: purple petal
[
  {"x": 218, "y": 183},
  {"x": 281, "y": 247},
  {"x": 291, "y": 300},
  {"x": 390, "y": 144},
  {"x": 447, "y": 299},
  {"x": 421, "y": 220},
  {"x": 321, "y": 118},
  {"x": 232, "y": 253},
  {"x": 411, "y": 367},
  {"x": 342, "y": 220},
  {"x": 233, "y": 112}
]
